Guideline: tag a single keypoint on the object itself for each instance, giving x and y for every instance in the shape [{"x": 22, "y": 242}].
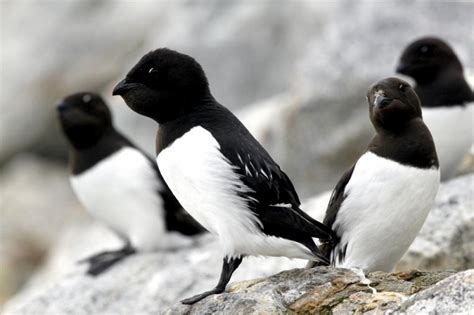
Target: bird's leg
[
  {"x": 228, "y": 267},
  {"x": 102, "y": 261},
  {"x": 104, "y": 255}
]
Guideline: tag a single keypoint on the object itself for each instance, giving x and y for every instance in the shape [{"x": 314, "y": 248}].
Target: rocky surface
[
  {"x": 36, "y": 204},
  {"x": 143, "y": 283},
  {"x": 445, "y": 243},
  {"x": 299, "y": 290},
  {"x": 454, "y": 295},
  {"x": 326, "y": 291}
]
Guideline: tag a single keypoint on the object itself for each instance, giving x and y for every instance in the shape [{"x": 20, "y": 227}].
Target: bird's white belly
[
  {"x": 122, "y": 192},
  {"x": 205, "y": 183},
  {"x": 452, "y": 129},
  {"x": 386, "y": 206}
]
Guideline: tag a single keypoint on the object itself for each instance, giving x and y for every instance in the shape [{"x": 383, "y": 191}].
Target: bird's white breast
[
  {"x": 122, "y": 192},
  {"x": 386, "y": 205},
  {"x": 207, "y": 186},
  {"x": 452, "y": 129}
]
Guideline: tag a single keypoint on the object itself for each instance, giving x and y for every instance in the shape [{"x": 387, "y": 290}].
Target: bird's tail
[{"x": 316, "y": 228}]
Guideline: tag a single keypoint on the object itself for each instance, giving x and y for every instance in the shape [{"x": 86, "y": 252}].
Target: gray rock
[
  {"x": 36, "y": 204},
  {"x": 138, "y": 287},
  {"x": 454, "y": 295},
  {"x": 142, "y": 283}
]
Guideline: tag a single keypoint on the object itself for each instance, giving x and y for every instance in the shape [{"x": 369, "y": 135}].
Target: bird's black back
[{"x": 269, "y": 185}]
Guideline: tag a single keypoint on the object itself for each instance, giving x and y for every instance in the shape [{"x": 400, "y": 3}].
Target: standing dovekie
[
  {"x": 446, "y": 99},
  {"x": 117, "y": 183},
  {"x": 381, "y": 203},
  {"x": 217, "y": 170}
]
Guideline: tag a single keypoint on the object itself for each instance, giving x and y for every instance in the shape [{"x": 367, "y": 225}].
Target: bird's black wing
[
  {"x": 273, "y": 197},
  {"x": 337, "y": 197}
]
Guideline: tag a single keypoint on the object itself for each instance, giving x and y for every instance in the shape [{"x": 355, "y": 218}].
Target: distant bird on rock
[
  {"x": 117, "y": 183},
  {"x": 446, "y": 98}
]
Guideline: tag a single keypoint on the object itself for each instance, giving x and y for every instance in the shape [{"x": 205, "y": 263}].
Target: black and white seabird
[
  {"x": 446, "y": 98},
  {"x": 379, "y": 205},
  {"x": 216, "y": 169},
  {"x": 117, "y": 183}
]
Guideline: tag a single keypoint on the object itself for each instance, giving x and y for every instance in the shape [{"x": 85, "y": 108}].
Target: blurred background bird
[
  {"x": 118, "y": 184},
  {"x": 446, "y": 98},
  {"x": 298, "y": 84}
]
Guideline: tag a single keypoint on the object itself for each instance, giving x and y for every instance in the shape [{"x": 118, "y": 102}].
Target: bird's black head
[
  {"x": 392, "y": 104},
  {"x": 84, "y": 117},
  {"x": 163, "y": 85},
  {"x": 426, "y": 58}
]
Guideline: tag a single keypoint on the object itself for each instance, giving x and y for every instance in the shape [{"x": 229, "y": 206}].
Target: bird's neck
[
  {"x": 178, "y": 106},
  {"x": 411, "y": 144},
  {"x": 83, "y": 157},
  {"x": 201, "y": 112}
]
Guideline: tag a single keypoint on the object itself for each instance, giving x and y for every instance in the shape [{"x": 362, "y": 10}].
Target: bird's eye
[
  {"x": 86, "y": 98},
  {"x": 402, "y": 87},
  {"x": 424, "y": 49},
  {"x": 151, "y": 70}
]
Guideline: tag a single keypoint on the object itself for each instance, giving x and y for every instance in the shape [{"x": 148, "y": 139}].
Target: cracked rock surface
[{"x": 316, "y": 291}]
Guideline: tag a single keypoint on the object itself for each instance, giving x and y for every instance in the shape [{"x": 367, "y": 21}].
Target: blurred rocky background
[{"x": 295, "y": 72}]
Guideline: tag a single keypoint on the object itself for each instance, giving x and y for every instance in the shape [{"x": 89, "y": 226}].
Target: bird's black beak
[
  {"x": 61, "y": 107},
  {"x": 122, "y": 87},
  {"x": 402, "y": 68},
  {"x": 381, "y": 101}
]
